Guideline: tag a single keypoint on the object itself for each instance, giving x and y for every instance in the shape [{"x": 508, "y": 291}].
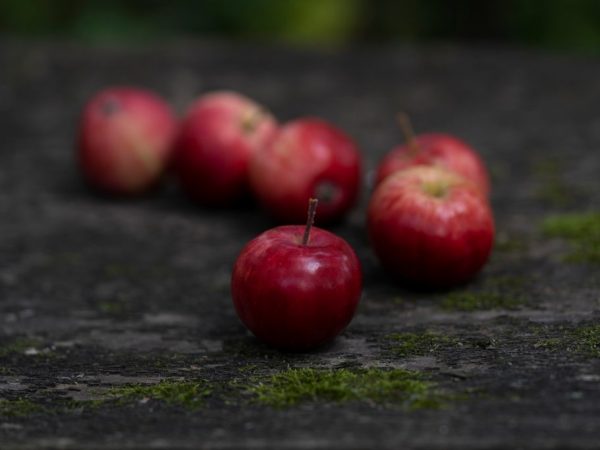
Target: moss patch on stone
[
  {"x": 552, "y": 188},
  {"x": 114, "y": 307},
  {"x": 19, "y": 346},
  {"x": 188, "y": 394},
  {"x": 581, "y": 230},
  {"x": 18, "y": 408},
  {"x": 420, "y": 344},
  {"x": 499, "y": 292},
  {"x": 587, "y": 340},
  {"x": 583, "y": 340},
  {"x": 506, "y": 243},
  {"x": 475, "y": 301},
  {"x": 396, "y": 386}
]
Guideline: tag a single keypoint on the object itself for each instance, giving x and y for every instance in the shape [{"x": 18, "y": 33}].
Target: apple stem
[
  {"x": 408, "y": 132},
  {"x": 312, "y": 210},
  {"x": 251, "y": 119}
]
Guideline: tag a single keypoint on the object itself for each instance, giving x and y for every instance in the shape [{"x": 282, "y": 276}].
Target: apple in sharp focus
[
  {"x": 434, "y": 149},
  {"x": 218, "y": 135},
  {"x": 307, "y": 158},
  {"x": 296, "y": 288},
  {"x": 125, "y": 140},
  {"x": 430, "y": 226}
]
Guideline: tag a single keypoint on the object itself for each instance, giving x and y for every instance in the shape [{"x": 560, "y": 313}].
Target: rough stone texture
[{"x": 96, "y": 293}]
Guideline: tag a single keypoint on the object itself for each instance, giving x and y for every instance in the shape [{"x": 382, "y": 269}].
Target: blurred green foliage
[{"x": 562, "y": 24}]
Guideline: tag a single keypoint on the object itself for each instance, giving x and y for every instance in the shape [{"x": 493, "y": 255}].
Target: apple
[
  {"x": 434, "y": 149},
  {"x": 125, "y": 140},
  {"x": 430, "y": 226},
  {"x": 307, "y": 158},
  {"x": 218, "y": 135},
  {"x": 296, "y": 287}
]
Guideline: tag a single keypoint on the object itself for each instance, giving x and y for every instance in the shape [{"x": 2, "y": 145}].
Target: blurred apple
[
  {"x": 125, "y": 140},
  {"x": 430, "y": 226},
  {"x": 308, "y": 158},
  {"x": 218, "y": 136}
]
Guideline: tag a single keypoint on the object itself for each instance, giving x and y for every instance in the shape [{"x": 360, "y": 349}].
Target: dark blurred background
[{"x": 572, "y": 25}]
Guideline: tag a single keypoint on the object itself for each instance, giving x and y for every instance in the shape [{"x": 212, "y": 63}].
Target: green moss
[
  {"x": 131, "y": 271},
  {"x": 118, "y": 270},
  {"x": 19, "y": 346},
  {"x": 549, "y": 343},
  {"x": 497, "y": 292},
  {"x": 111, "y": 307},
  {"x": 420, "y": 344},
  {"x": 18, "y": 408},
  {"x": 555, "y": 193},
  {"x": 581, "y": 230},
  {"x": 512, "y": 283},
  {"x": 474, "y": 301},
  {"x": 247, "y": 348},
  {"x": 295, "y": 386},
  {"x": 573, "y": 226},
  {"x": 119, "y": 305},
  {"x": 583, "y": 340},
  {"x": 552, "y": 188},
  {"x": 188, "y": 394},
  {"x": 587, "y": 340},
  {"x": 399, "y": 301},
  {"x": 510, "y": 244}
]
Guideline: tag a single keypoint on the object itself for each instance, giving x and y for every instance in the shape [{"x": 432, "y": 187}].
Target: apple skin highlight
[
  {"x": 294, "y": 296},
  {"x": 430, "y": 227},
  {"x": 218, "y": 136},
  {"x": 308, "y": 158},
  {"x": 436, "y": 149},
  {"x": 125, "y": 140}
]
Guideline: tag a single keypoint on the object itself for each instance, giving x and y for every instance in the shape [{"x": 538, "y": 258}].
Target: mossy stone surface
[
  {"x": 582, "y": 230},
  {"x": 420, "y": 344},
  {"x": 20, "y": 407},
  {"x": 189, "y": 394},
  {"x": 117, "y": 328},
  {"x": 392, "y": 387}
]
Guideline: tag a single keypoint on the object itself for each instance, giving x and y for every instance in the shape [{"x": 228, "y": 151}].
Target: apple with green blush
[{"x": 430, "y": 227}]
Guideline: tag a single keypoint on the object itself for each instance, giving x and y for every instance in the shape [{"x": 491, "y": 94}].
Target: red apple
[
  {"x": 435, "y": 149},
  {"x": 296, "y": 288},
  {"x": 217, "y": 138},
  {"x": 125, "y": 140},
  {"x": 308, "y": 158},
  {"x": 430, "y": 226}
]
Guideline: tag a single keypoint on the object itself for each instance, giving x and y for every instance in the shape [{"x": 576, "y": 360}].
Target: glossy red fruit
[
  {"x": 295, "y": 295},
  {"x": 308, "y": 158},
  {"x": 125, "y": 140},
  {"x": 434, "y": 149},
  {"x": 430, "y": 226},
  {"x": 218, "y": 135}
]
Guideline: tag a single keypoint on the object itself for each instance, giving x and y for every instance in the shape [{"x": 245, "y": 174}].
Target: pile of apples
[{"x": 296, "y": 287}]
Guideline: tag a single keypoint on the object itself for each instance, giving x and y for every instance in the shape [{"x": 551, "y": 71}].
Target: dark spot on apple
[
  {"x": 327, "y": 192},
  {"x": 110, "y": 106}
]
